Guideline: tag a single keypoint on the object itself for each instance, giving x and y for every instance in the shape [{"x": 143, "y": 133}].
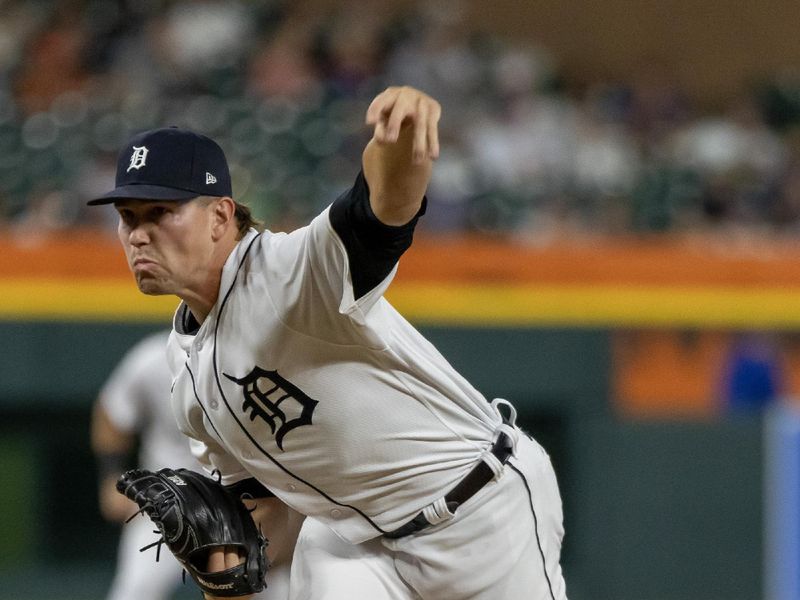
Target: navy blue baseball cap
[{"x": 169, "y": 164}]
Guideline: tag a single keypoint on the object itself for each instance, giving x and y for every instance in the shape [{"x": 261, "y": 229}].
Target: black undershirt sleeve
[{"x": 373, "y": 248}]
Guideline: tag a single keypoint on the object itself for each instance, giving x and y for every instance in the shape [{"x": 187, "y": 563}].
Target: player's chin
[{"x": 151, "y": 287}]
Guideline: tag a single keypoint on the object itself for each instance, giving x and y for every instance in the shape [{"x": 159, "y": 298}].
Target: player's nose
[{"x": 138, "y": 236}]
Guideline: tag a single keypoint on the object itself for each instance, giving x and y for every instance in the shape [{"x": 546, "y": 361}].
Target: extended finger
[
  {"x": 380, "y": 131},
  {"x": 402, "y": 108},
  {"x": 420, "y": 149},
  {"x": 381, "y": 105},
  {"x": 433, "y": 131}
]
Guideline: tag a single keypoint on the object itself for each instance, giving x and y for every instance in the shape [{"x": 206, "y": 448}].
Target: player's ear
[{"x": 223, "y": 216}]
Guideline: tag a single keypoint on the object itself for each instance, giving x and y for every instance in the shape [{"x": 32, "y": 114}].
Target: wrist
[{"x": 111, "y": 464}]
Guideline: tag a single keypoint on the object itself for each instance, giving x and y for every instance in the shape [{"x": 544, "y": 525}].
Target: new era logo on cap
[{"x": 169, "y": 164}]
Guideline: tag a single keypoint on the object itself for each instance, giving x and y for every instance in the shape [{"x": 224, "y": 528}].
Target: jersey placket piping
[{"x": 239, "y": 423}]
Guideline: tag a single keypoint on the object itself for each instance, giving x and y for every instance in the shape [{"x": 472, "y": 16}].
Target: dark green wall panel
[
  {"x": 667, "y": 510},
  {"x": 55, "y": 363},
  {"x": 561, "y": 369},
  {"x": 18, "y": 521}
]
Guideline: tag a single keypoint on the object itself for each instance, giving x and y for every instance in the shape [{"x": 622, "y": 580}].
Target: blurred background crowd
[{"x": 527, "y": 153}]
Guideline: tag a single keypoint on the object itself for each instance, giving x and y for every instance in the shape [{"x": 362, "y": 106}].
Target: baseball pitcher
[{"x": 305, "y": 392}]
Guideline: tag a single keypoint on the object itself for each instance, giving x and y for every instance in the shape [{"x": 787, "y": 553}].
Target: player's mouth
[{"x": 142, "y": 264}]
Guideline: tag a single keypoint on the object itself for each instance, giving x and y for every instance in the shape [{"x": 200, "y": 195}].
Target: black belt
[{"x": 479, "y": 476}]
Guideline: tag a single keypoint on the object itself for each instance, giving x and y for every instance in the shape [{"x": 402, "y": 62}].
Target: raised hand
[{"x": 399, "y": 107}]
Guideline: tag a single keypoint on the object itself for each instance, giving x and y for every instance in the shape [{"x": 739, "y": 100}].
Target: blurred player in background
[{"x": 134, "y": 405}]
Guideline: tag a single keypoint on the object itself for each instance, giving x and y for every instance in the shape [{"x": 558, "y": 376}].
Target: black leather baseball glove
[{"x": 194, "y": 514}]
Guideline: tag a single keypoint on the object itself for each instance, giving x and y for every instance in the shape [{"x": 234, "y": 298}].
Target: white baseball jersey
[
  {"x": 304, "y": 377},
  {"x": 136, "y": 398}
]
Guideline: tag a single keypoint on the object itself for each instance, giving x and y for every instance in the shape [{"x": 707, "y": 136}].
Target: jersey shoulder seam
[{"x": 282, "y": 320}]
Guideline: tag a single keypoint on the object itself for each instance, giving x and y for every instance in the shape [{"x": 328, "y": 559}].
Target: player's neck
[
  {"x": 202, "y": 294},
  {"x": 199, "y": 308}
]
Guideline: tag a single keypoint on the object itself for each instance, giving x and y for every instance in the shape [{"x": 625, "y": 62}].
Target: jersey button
[
  {"x": 291, "y": 487},
  {"x": 336, "y": 513},
  {"x": 214, "y": 404}
]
